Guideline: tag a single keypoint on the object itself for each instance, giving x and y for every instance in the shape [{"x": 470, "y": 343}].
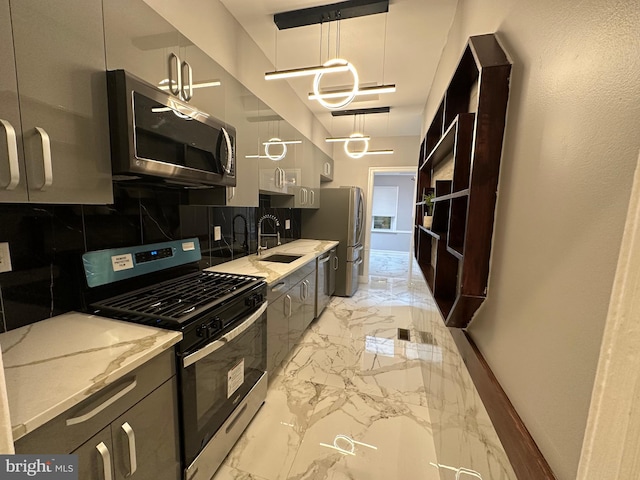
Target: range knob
[
  {"x": 202, "y": 331},
  {"x": 254, "y": 300}
]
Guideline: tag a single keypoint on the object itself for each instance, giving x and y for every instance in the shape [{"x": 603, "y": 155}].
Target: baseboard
[{"x": 526, "y": 459}]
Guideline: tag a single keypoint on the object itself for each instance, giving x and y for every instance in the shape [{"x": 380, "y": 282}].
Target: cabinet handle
[
  {"x": 277, "y": 177},
  {"x": 313, "y": 197},
  {"x": 175, "y": 82},
  {"x": 106, "y": 460},
  {"x": 131, "y": 438},
  {"x": 327, "y": 168},
  {"x": 335, "y": 263},
  {"x": 283, "y": 176},
  {"x": 188, "y": 86},
  {"x": 231, "y": 192},
  {"x": 324, "y": 260},
  {"x": 103, "y": 405},
  {"x": 302, "y": 292},
  {"x": 305, "y": 196},
  {"x": 277, "y": 286},
  {"x": 288, "y": 297},
  {"x": 46, "y": 158},
  {"x": 12, "y": 153}
]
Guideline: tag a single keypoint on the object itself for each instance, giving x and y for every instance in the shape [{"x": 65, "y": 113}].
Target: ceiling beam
[{"x": 329, "y": 13}]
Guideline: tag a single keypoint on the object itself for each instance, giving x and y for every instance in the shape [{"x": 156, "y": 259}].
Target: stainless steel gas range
[{"x": 221, "y": 361}]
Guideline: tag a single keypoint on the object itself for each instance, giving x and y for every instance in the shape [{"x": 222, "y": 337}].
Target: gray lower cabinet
[
  {"x": 127, "y": 430},
  {"x": 60, "y": 64},
  {"x": 94, "y": 457},
  {"x": 291, "y": 309},
  {"x": 141, "y": 444},
  {"x": 277, "y": 325}
]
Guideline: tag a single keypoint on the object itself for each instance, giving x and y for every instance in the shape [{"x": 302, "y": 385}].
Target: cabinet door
[
  {"x": 95, "y": 457},
  {"x": 140, "y": 41},
  {"x": 325, "y": 164},
  {"x": 295, "y": 311},
  {"x": 208, "y": 80},
  {"x": 277, "y": 332},
  {"x": 242, "y": 112},
  {"x": 59, "y": 49},
  {"x": 145, "y": 438},
  {"x": 13, "y": 185},
  {"x": 309, "y": 301}
]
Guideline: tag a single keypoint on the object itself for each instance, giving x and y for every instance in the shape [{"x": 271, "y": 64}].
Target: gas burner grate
[{"x": 180, "y": 299}]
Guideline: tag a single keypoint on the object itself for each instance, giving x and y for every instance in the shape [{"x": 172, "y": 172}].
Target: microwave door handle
[
  {"x": 222, "y": 341},
  {"x": 187, "y": 87},
  {"x": 175, "y": 83},
  {"x": 228, "y": 167}
]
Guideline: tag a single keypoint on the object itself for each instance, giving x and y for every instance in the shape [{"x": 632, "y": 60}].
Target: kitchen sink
[{"x": 281, "y": 258}]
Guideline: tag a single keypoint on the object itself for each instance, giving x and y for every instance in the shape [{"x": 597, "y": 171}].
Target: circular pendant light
[
  {"x": 275, "y": 141},
  {"x": 357, "y": 137},
  {"x": 349, "y": 96}
]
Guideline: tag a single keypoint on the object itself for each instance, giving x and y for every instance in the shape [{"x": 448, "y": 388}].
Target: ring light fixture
[
  {"x": 346, "y": 100},
  {"x": 275, "y": 141},
  {"x": 356, "y": 137}
]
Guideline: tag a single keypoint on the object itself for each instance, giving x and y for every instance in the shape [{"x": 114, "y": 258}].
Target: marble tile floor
[{"x": 353, "y": 402}]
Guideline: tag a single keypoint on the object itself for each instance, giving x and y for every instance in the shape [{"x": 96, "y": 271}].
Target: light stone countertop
[
  {"x": 52, "y": 365},
  {"x": 272, "y": 271}
]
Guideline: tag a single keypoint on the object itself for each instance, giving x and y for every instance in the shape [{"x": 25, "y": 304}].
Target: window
[{"x": 385, "y": 207}]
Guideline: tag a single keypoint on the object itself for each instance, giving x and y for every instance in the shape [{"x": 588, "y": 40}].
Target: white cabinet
[{"x": 62, "y": 137}]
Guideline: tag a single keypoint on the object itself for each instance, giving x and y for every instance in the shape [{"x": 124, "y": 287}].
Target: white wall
[{"x": 568, "y": 161}]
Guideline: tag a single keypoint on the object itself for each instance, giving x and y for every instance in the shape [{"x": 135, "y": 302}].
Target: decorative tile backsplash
[{"x": 47, "y": 242}]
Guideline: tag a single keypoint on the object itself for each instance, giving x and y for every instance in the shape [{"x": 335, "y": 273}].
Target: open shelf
[
  {"x": 467, "y": 129},
  {"x": 461, "y": 193},
  {"x": 435, "y": 235}
]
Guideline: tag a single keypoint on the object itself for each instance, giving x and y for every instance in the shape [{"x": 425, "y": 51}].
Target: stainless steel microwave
[{"x": 155, "y": 135}]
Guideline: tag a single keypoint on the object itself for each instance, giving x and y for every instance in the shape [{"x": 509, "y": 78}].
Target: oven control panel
[{"x": 151, "y": 255}]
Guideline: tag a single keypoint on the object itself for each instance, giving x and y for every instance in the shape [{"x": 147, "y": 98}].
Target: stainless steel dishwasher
[{"x": 326, "y": 283}]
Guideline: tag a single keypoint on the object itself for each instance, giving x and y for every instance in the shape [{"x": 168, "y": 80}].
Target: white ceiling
[{"x": 400, "y": 47}]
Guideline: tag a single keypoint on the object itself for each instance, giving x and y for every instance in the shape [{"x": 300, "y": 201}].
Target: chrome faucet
[{"x": 260, "y": 234}]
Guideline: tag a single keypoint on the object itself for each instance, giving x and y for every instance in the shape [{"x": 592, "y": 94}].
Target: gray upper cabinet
[
  {"x": 324, "y": 163},
  {"x": 141, "y": 42},
  {"x": 13, "y": 183},
  {"x": 241, "y": 108},
  {"x": 59, "y": 58}
]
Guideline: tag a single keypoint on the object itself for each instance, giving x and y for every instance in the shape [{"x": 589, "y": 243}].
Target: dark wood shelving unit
[{"x": 460, "y": 162}]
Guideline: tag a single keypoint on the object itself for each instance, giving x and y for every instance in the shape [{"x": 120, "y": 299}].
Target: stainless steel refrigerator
[{"x": 340, "y": 217}]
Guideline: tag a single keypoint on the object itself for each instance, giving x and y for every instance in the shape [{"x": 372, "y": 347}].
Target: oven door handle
[{"x": 222, "y": 341}]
